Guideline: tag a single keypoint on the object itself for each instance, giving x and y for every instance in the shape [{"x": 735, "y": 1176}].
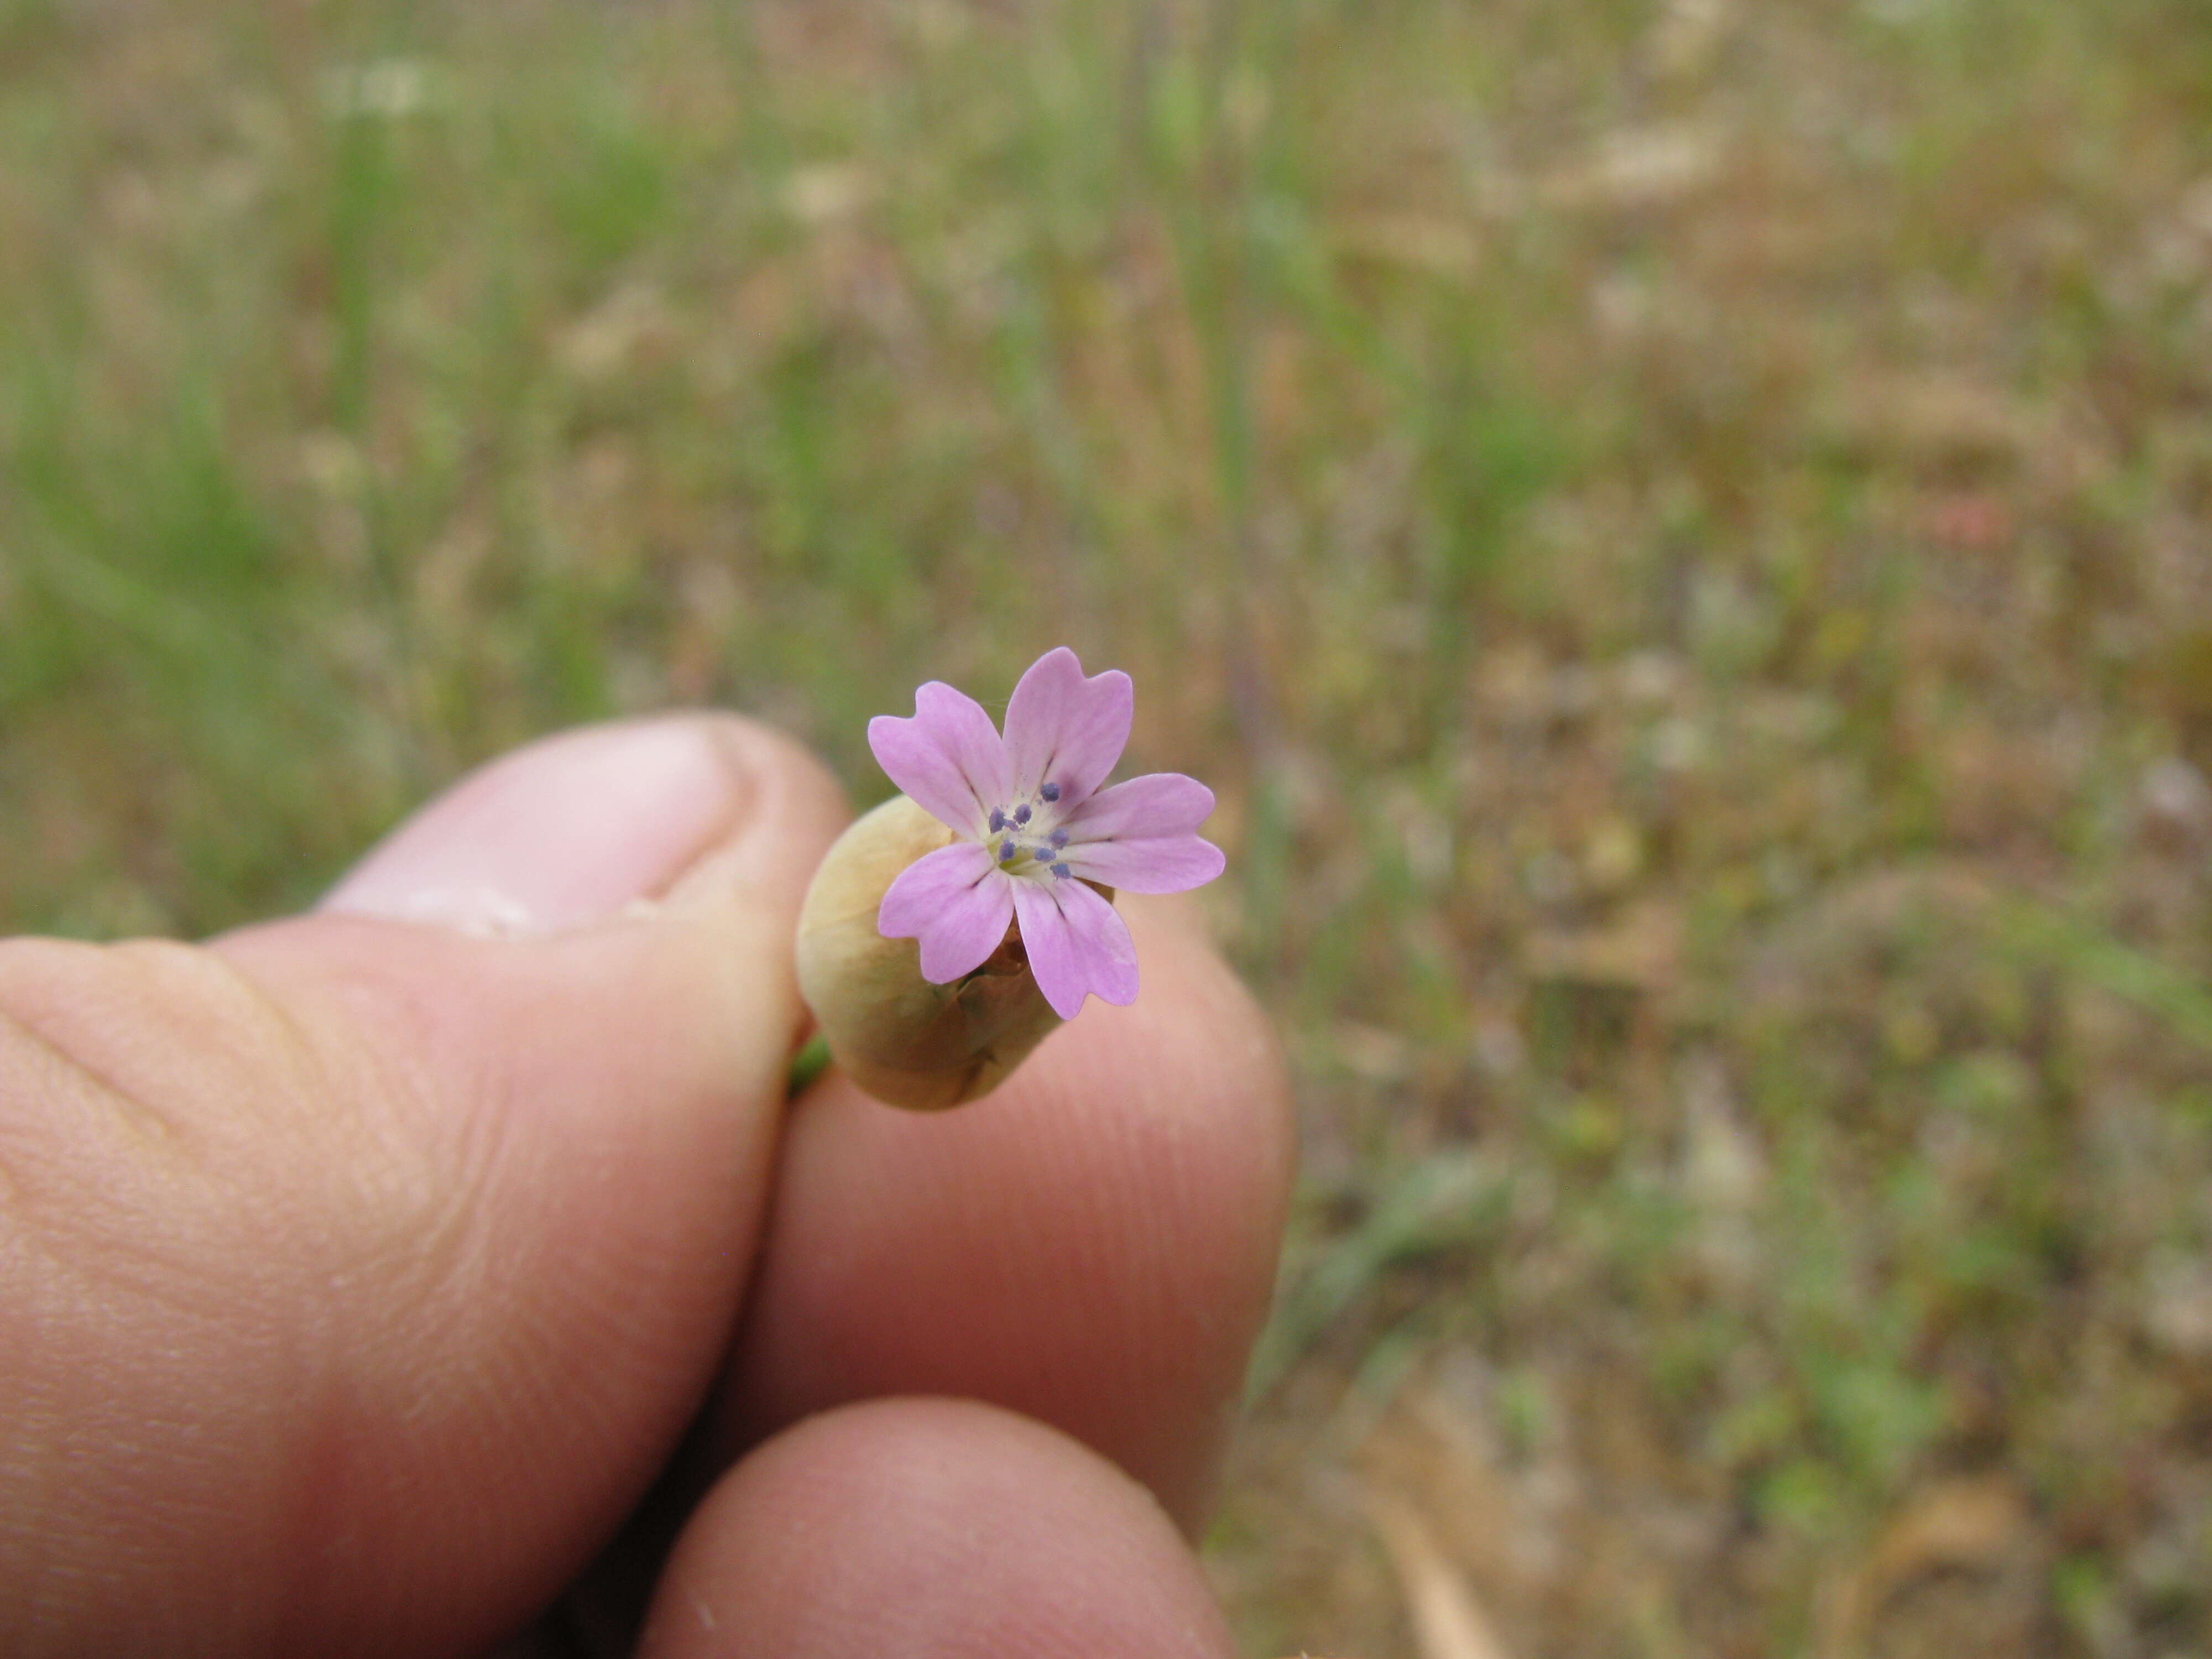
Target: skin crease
[{"x": 359, "y": 1275}]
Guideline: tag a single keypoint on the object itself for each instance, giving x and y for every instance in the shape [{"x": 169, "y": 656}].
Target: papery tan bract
[{"x": 905, "y": 1040}]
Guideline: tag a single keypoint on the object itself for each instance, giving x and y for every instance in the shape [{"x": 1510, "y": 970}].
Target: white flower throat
[{"x": 1028, "y": 838}]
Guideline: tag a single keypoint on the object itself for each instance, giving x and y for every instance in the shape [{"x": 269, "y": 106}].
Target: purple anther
[
  {"x": 1044, "y": 855},
  {"x": 1005, "y": 850},
  {"x": 1050, "y": 792},
  {"x": 1059, "y": 870},
  {"x": 1022, "y": 813},
  {"x": 998, "y": 820},
  {"x": 1060, "y": 838}
]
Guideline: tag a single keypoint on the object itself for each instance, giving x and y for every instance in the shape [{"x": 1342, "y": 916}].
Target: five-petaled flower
[{"x": 1034, "y": 826}]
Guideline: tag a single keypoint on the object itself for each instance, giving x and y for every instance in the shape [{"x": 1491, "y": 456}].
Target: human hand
[{"x": 360, "y": 1273}]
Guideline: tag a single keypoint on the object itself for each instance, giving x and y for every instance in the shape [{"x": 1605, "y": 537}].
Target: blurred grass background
[{"x": 1681, "y": 531}]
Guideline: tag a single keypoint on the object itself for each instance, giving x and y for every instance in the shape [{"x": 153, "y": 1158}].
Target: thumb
[{"x": 357, "y": 1270}]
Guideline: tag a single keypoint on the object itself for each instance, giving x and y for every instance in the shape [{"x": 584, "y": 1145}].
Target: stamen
[
  {"x": 1044, "y": 855},
  {"x": 998, "y": 820},
  {"x": 1005, "y": 851},
  {"x": 1050, "y": 792},
  {"x": 1060, "y": 838},
  {"x": 1022, "y": 813},
  {"x": 1059, "y": 870}
]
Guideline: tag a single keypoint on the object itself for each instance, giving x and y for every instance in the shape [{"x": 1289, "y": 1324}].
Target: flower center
[{"x": 1027, "y": 838}]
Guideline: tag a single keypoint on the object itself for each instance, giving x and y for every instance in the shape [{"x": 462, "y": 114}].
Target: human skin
[{"x": 361, "y": 1273}]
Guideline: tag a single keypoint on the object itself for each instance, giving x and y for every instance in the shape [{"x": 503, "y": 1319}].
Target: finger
[
  {"x": 359, "y": 1271},
  {"x": 932, "y": 1529},
  {"x": 1093, "y": 1245}
]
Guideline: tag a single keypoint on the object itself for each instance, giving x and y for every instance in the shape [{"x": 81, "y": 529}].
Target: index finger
[{"x": 1093, "y": 1245}]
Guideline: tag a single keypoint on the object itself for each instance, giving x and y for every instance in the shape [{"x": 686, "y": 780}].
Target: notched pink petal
[
  {"x": 919, "y": 893},
  {"x": 1139, "y": 836},
  {"x": 960, "y": 727},
  {"x": 1076, "y": 944},
  {"x": 948, "y": 756},
  {"x": 1065, "y": 729},
  {"x": 1167, "y": 864},
  {"x": 1051, "y": 947},
  {"x": 921, "y": 769},
  {"x": 955, "y": 901},
  {"x": 1109, "y": 954},
  {"x": 1154, "y": 805}
]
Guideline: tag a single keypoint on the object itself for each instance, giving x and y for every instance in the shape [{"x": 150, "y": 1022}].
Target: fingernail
[{"x": 570, "y": 830}]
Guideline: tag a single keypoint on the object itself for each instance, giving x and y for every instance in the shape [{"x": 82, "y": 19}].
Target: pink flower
[{"x": 1033, "y": 824}]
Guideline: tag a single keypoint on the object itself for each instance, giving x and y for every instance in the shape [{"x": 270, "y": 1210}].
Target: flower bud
[{"x": 905, "y": 1040}]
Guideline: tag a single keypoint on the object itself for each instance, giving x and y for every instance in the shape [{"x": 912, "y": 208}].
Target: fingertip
[
  {"x": 1184, "y": 967},
  {"x": 934, "y": 1529},
  {"x": 1093, "y": 1245}
]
